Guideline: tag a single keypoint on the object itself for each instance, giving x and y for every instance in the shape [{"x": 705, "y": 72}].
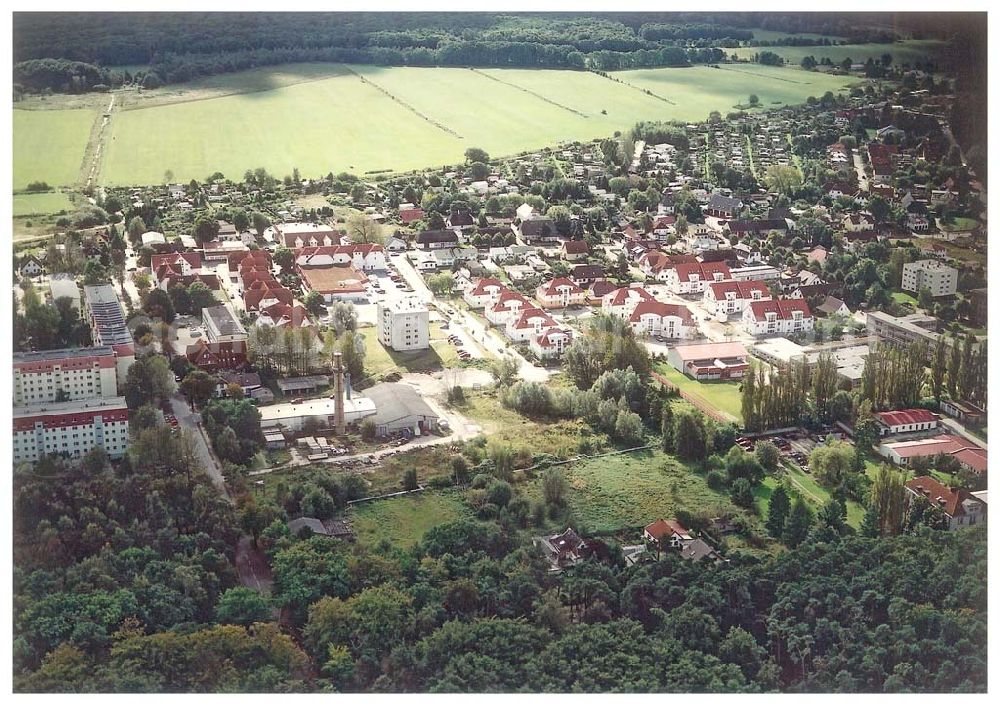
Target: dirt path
[
  {"x": 251, "y": 564},
  {"x": 95, "y": 146}
]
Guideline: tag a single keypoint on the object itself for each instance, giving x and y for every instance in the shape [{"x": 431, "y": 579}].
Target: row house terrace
[{"x": 362, "y": 256}]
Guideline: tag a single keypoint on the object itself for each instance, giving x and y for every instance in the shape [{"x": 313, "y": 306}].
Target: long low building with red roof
[
  {"x": 960, "y": 506},
  {"x": 70, "y": 428},
  {"x": 965, "y": 452},
  {"x": 903, "y": 421}
]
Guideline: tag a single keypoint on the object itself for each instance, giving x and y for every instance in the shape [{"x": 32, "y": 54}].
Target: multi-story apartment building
[
  {"x": 103, "y": 311},
  {"x": 65, "y": 374},
  {"x": 404, "y": 324},
  {"x": 70, "y": 428},
  {"x": 777, "y": 317},
  {"x": 559, "y": 293},
  {"x": 940, "y": 279},
  {"x": 731, "y": 296}
]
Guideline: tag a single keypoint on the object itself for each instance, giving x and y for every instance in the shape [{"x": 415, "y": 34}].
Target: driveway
[{"x": 859, "y": 167}]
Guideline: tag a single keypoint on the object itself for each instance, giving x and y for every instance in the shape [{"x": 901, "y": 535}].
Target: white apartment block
[
  {"x": 71, "y": 429},
  {"x": 731, "y": 296},
  {"x": 939, "y": 278},
  {"x": 551, "y": 343},
  {"x": 404, "y": 324},
  {"x": 483, "y": 293},
  {"x": 777, "y": 317},
  {"x": 64, "y": 375}
]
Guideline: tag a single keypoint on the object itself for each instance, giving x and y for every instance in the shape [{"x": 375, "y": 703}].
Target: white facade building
[
  {"x": 64, "y": 375},
  {"x": 777, "y": 317},
  {"x": 71, "y": 429},
  {"x": 939, "y": 278},
  {"x": 404, "y": 324}
]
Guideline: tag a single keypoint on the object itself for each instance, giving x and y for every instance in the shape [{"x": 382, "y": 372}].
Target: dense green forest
[
  {"x": 73, "y": 52},
  {"x": 125, "y": 581}
]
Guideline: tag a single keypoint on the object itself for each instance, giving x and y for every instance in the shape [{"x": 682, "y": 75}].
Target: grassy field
[
  {"x": 724, "y": 396},
  {"x": 403, "y": 521},
  {"x": 41, "y": 204},
  {"x": 905, "y": 52},
  {"x": 959, "y": 223},
  {"x": 49, "y": 145},
  {"x": 323, "y": 118},
  {"x": 699, "y": 90},
  {"x": 612, "y": 493},
  {"x": 903, "y": 298}
]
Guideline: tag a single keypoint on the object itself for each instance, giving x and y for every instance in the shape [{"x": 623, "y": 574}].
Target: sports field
[
  {"x": 49, "y": 145},
  {"x": 323, "y": 118},
  {"x": 907, "y": 51}
]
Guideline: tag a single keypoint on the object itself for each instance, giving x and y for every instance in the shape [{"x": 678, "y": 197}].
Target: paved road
[
  {"x": 859, "y": 167},
  {"x": 186, "y": 419},
  {"x": 954, "y": 426}
]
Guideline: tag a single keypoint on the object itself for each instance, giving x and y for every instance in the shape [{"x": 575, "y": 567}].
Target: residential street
[{"x": 187, "y": 420}]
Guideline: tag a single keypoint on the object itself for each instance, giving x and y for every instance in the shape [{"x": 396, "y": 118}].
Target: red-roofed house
[
  {"x": 902, "y": 421},
  {"x": 559, "y": 293},
  {"x": 408, "y": 215},
  {"x": 175, "y": 263},
  {"x": 960, "y": 507},
  {"x": 777, "y": 316},
  {"x": 622, "y": 301},
  {"x": 262, "y": 297},
  {"x": 551, "y": 342},
  {"x": 692, "y": 278},
  {"x": 531, "y": 322},
  {"x": 667, "y": 534},
  {"x": 483, "y": 293},
  {"x": 212, "y": 357},
  {"x": 731, "y": 296},
  {"x": 858, "y": 223},
  {"x": 508, "y": 305},
  {"x": 662, "y": 320},
  {"x": 574, "y": 250}
]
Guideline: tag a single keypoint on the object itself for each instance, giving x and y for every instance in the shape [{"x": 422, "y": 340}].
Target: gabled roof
[
  {"x": 743, "y": 289},
  {"x": 481, "y": 285},
  {"x": 898, "y": 417},
  {"x": 665, "y": 528},
  {"x": 552, "y": 287},
  {"x": 545, "y": 337},
  {"x": 436, "y": 236},
  {"x": 948, "y": 499},
  {"x": 586, "y": 272},
  {"x": 723, "y": 203},
  {"x": 576, "y": 247},
  {"x": 524, "y": 321},
  {"x": 783, "y": 308},
  {"x": 621, "y": 295},
  {"x": 662, "y": 309}
]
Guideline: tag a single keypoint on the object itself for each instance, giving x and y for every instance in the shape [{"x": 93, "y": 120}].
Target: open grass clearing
[
  {"x": 380, "y": 360},
  {"x": 49, "y": 145},
  {"x": 41, "y": 204},
  {"x": 724, "y": 396},
  {"x": 403, "y": 521}
]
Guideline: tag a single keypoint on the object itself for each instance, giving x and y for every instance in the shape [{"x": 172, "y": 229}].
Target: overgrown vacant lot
[
  {"x": 403, "y": 521},
  {"x": 49, "y": 145},
  {"x": 326, "y": 118},
  {"x": 41, "y": 204},
  {"x": 612, "y": 493}
]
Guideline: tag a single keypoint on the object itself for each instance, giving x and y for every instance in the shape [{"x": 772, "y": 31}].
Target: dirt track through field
[
  {"x": 539, "y": 96},
  {"x": 391, "y": 96}
]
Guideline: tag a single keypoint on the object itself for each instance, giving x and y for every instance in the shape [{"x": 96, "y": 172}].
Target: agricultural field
[
  {"x": 324, "y": 117},
  {"x": 907, "y": 51},
  {"x": 403, "y": 521},
  {"x": 41, "y": 204},
  {"x": 614, "y": 493},
  {"x": 49, "y": 145}
]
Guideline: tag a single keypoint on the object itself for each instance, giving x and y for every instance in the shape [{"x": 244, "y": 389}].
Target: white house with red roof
[
  {"x": 858, "y": 222},
  {"x": 529, "y": 323},
  {"x": 551, "y": 342},
  {"x": 692, "y": 278},
  {"x": 174, "y": 264},
  {"x": 303, "y": 235},
  {"x": 573, "y": 250},
  {"x": 662, "y": 320},
  {"x": 654, "y": 263},
  {"x": 965, "y": 452},
  {"x": 559, "y": 293},
  {"x": 508, "y": 305},
  {"x": 777, "y": 316},
  {"x": 904, "y": 421},
  {"x": 363, "y": 256},
  {"x": 622, "y": 301},
  {"x": 731, "y": 296},
  {"x": 484, "y": 292},
  {"x": 960, "y": 506},
  {"x": 668, "y": 534}
]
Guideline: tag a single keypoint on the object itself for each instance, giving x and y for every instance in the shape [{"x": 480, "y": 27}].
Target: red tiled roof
[
  {"x": 949, "y": 500},
  {"x": 70, "y": 419},
  {"x": 576, "y": 247},
  {"x": 193, "y": 259},
  {"x": 742, "y": 289},
  {"x": 481, "y": 285},
  {"x": 623, "y": 294},
  {"x": 664, "y": 528},
  {"x": 661, "y": 309},
  {"x": 545, "y": 338},
  {"x": 971, "y": 455},
  {"x": 782, "y": 307},
  {"x": 551, "y": 288},
  {"x": 895, "y": 418},
  {"x": 534, "y": 313},
  {"x": 408, "y": 215}
]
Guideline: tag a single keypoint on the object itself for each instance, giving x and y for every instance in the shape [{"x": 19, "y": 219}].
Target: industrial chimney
[{"x": 339, "y": 423}]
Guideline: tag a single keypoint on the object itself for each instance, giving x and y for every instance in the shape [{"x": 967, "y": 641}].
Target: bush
[
  {"x": 368, "y": 430},
  {"x": 715, "y": 480}
]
